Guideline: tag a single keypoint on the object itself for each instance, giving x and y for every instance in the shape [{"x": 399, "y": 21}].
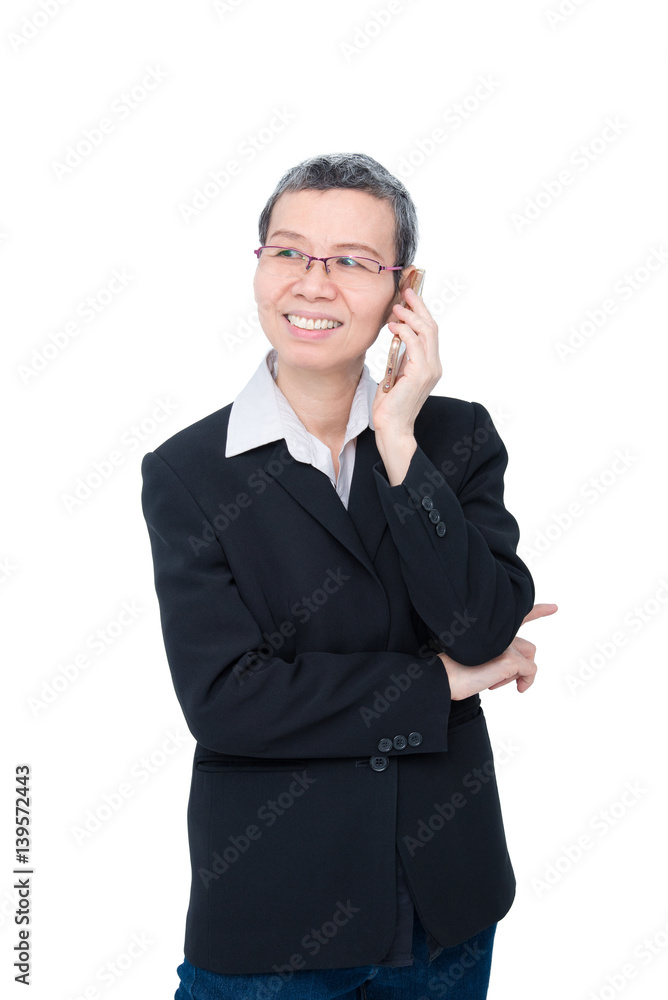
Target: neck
[{"x": 321, "y": 400}]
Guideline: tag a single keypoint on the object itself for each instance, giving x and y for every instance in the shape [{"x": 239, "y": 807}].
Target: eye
[
  {"x": 290, "y": 254},
  {"x": 347, "y": 262}
]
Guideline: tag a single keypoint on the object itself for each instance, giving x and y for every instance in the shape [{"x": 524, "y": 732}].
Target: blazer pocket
[
  {"x": 255, "y": 764},
  {"x": 465, "y": 718}
]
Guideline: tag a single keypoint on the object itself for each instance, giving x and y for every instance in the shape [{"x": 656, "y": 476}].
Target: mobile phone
[{"x": 394, "y": 356}]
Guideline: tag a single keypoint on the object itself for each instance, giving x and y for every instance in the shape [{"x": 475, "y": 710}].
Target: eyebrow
[{"x": 337, "y": 246}]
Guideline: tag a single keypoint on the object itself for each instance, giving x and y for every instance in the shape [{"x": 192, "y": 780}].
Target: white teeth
[{"x": 312, "y": 324}]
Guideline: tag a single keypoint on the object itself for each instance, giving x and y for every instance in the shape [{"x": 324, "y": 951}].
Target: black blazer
[{"x": 301, "y": 640}]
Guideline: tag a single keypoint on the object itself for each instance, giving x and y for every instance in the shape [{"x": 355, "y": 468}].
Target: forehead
[{"x": 335, "y": 219}]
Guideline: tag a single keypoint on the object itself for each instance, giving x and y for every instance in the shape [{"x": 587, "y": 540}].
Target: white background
[{"x": 182, "y": 330}]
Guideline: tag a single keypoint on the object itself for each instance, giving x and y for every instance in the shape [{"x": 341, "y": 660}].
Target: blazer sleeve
[
  {"x": 466, "y": 583},
  {"x": 320, "y": 704}
]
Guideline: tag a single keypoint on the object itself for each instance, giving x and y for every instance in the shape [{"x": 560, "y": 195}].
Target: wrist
[{"x": 396, "y": 452}]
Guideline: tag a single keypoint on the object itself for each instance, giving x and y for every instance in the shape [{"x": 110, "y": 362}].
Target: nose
[{"x": 315, "y": 282}]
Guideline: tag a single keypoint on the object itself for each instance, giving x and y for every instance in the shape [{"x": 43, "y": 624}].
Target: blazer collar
[
  {"x": 361, "y": 526},
  {"x": 256, "y": 432}
]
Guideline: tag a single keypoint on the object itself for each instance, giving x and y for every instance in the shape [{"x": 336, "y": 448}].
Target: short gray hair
[{"x": 353, "y": 170}]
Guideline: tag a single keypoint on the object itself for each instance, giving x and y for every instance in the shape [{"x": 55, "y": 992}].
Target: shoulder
[
  {"x": 203, "y": 439},
  {"x": 442, "y": 415},
  {"x": 450, "y": 431}
]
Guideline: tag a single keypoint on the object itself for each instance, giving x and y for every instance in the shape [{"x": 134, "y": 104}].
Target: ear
[{"x": 405, "y": 280}]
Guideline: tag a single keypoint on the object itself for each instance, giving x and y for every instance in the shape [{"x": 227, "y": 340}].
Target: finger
[
  {"x": 403, "y": 361},
  {"x": 500, "y": 684},
  {"x": 524, "y": 647},
  {"x": 524, "y": 683},
  {"x": 413, "y": 299},
  {"x": 422, "y": 318},
  {"x": 540, "y": 611},
  {"x": 409, "y": 337}
]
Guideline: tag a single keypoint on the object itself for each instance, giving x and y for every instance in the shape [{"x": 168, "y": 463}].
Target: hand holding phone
[{"x": 393, "y": 357}]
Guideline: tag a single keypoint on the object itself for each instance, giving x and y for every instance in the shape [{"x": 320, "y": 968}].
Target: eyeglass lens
[{"x": 344, "y": 270}]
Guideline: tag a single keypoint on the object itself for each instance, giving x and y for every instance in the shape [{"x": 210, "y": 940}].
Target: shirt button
[
  {"x": 434, "y": 516},
  {"x": 440, "y": 529},
  {"x": 384, "y": 745},
  {"x": 415, "y": 739},
  {"x": 379, "y": 763},
  {"x": 427, "y": 503},
  {"x": 399, "y": 742}
]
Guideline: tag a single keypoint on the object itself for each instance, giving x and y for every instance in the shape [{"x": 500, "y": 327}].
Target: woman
[{"x": 338, "y": 580}]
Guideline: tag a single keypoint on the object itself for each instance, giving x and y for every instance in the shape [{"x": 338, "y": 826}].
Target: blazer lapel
[{"x": 361, "y": 526}]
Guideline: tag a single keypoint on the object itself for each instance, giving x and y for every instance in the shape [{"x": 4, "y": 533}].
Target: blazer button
[
  {"x": 434, "y": 516},
  {"x": 415, "y": 739},
  {"x": 427, "y": 503},
  {"x": 379, "y": 763},
  {"x": 440, "y": 529},
  {"x": 384, "y": 745},
  {"x": 399, "y": 742}
]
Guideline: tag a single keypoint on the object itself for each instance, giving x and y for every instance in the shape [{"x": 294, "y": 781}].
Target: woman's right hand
[{"x": 516, "y": 663}]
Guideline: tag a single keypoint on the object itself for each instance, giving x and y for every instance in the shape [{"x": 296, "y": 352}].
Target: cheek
[
  {"x": 381, "y": 315},
  {"x": 262, "y": 289}
]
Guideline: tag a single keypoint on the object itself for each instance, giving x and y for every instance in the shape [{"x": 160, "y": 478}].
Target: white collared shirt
[{"x": 261, "y": 413}]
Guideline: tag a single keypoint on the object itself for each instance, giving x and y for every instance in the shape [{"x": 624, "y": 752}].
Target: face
[{"x": 324, "y": 223}]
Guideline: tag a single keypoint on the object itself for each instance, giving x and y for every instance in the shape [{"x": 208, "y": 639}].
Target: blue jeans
[{"x": 459, "y": 973}]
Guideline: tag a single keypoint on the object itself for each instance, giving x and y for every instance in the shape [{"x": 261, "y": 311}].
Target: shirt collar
[{"x": 261, "y": 413}]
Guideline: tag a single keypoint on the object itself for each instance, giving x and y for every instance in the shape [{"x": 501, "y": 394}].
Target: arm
[
  {"x": 319, "y": 705},
  {"x": 468, "y": 585},
  {"x": 515, "y": 664}
]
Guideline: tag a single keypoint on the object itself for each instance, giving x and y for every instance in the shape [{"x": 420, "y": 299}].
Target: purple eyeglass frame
[{"x": 272, "y": 246}]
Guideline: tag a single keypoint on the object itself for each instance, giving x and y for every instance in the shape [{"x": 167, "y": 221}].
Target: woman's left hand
[{"x": 395, "y": 411}]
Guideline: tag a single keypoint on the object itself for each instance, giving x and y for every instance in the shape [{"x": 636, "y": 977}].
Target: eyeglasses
[{"x": 350, "y": 272}]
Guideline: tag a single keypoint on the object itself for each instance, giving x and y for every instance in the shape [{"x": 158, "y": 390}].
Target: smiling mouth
[{"x": 312, "y": 324}]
